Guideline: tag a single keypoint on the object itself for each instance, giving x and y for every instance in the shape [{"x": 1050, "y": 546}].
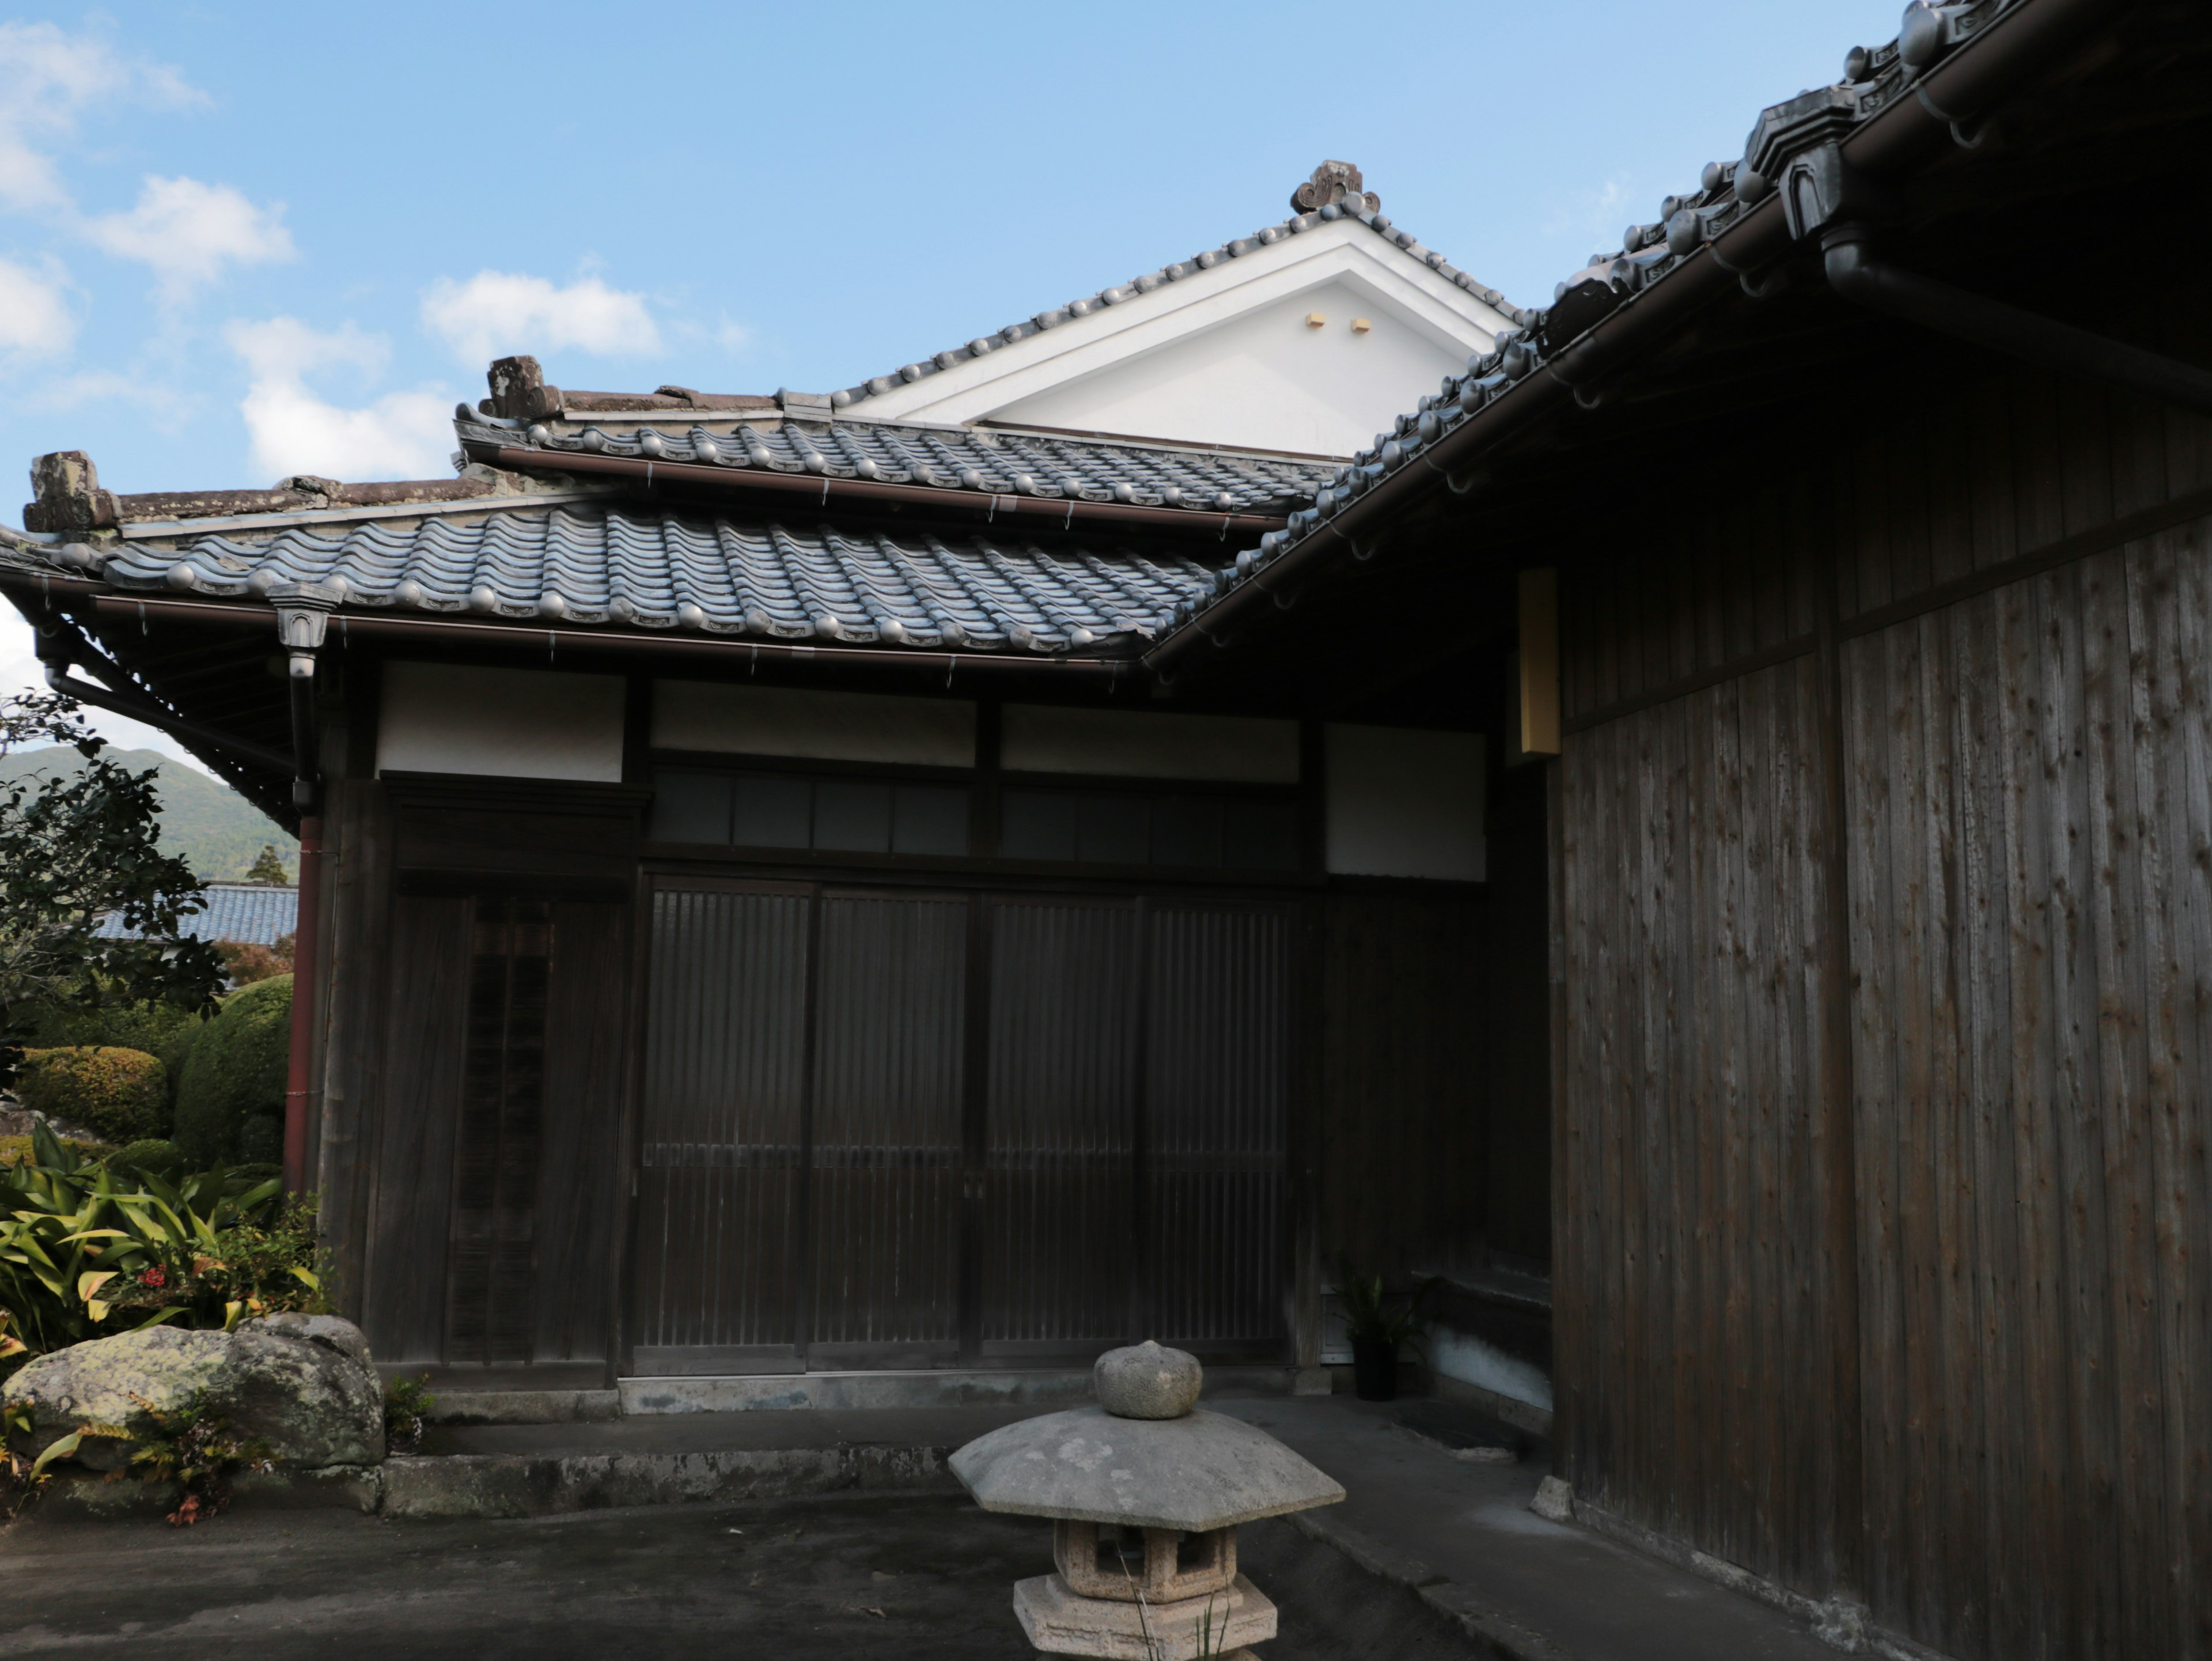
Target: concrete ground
[
  {"x": 1431, "y": 1556},
  {"x": 904, "y": 1576}
]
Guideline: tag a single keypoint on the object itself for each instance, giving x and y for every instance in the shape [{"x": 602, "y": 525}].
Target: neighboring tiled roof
[
  {"x": 1875, "y": 79},
  {"x": 1266, "y": 236},
  {"x": 998, "y": 462},
  {"x": 243, "y": 913},
  {"x": 650, "y": 569}
]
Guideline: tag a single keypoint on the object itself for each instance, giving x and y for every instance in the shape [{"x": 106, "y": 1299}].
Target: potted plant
[{"x": 1378, "y": 1328}]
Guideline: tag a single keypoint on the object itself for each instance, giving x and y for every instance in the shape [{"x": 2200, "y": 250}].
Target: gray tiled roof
[
  {"x": 667, "y": 569},
  {"x": 1265, "y": 236},
  {"x": 245, "y": 914},
  {"x": 1875, "y": 78},
  {"x": 996, "y": 462}
]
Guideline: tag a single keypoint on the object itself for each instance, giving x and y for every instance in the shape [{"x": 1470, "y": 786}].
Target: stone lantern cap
[{"x": 1195, "y": 1472}]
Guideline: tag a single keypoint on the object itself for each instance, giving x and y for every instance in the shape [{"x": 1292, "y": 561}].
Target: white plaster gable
[{"x": 1226, "y": 354}]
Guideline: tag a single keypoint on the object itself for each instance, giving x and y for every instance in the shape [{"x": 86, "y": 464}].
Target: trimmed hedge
[
  {"x": 153, "y": 1156},
  {"x": 230, "y": 1099},
  {"x": 119, "y": 1095},
  {"x": 161, "y": 1030}
]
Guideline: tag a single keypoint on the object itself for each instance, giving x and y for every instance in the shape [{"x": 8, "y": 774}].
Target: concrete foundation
[{"x": 1042, "y": 1389}]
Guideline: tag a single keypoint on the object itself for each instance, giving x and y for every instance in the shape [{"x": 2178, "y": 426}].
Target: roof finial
[{"x": 1335, "y": 182}]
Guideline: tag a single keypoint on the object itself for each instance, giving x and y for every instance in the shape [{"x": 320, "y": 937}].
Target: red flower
[{"x": 154, "y": 1275}]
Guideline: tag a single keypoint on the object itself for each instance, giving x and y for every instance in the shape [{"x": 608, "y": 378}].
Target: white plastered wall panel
[
  {"x": 794, "y": 722},
  {"x": 1271, "y": 380},
  {"x": 1226, "y": 749},
  {"x": 500, "y": 723},
  {"x": 1170, "y": 325},
  {"x": 1405, "y": 803}
]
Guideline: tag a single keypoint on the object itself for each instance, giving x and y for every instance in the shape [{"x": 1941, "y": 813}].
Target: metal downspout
[{"x": 303, "y": 615}]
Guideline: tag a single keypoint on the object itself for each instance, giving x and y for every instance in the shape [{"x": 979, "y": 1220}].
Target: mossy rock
[
  {"x": 119, "y": 1095},
  {"x": 230, "y": 1099}
]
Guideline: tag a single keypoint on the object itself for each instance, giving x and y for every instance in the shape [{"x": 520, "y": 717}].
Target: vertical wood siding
[
  {"x": 886, "y": 1142},
  {"x": 822, "y": 1184},
  {"x": 1216, "y": 1117},
  {"x": 2023, "y": 639},
  {"x": 721, "y": 1126},
  {"x": 579, "y": 1158},
  {"x": 2031, "y": 925},
  {"x": 403, "y": 1262},
  {"x": 1058, "y": 1249},
  {"x": 1694, "y": 1370},
  {"x": 1406, "y": 1061}
]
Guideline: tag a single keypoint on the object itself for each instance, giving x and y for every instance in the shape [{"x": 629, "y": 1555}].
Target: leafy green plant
[
  {"x": 1369, "y": 1318},
  {"x": 118, "y": 1094},
  {"x": 88, "y": 1250},
  {"x": 407, "y": 1404},
  {"x": 76, "y": 843},
  {"x": 230, "y": 1101},
  {"x": 194, "y": 1447}
]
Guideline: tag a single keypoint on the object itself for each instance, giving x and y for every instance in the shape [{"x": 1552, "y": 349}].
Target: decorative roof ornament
[{"x": 1335, "y": 184}]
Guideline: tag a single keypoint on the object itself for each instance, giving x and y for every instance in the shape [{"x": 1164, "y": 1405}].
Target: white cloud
[
  {"x": 47, "y": 77},
  {"x": 496, "y": 312},
  {"x": 150, "y": 400},
  {"x": 35, "y": 320},
  {"x": 294, "y": 431},
  {"x": 188, "y": 232}
]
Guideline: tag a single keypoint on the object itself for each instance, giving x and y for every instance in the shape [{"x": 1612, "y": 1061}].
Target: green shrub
[
  {"x": 161, "y": 1030},
  {"x": 125, "y": 1025},
  {"x": 118, "y": 1094},
  {"x": 152, "y": 1156},
  {"x": 230, "y": 1099}
]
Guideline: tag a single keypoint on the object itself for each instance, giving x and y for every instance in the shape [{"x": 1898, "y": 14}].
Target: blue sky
[{"x": 237, "y": 241}]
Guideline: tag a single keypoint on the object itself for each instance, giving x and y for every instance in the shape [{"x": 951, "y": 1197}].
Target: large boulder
[{"x": 301, "y": 1384}]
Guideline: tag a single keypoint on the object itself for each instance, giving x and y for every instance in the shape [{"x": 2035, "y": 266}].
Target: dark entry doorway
[{"x": 889, "y": 1129}]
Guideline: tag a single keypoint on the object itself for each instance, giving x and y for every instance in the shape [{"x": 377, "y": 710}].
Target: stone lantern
[{"x": 1145, "y": 1492}]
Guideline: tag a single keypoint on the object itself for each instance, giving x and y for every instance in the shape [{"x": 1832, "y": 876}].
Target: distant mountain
[{"x": 204, "y": 821}]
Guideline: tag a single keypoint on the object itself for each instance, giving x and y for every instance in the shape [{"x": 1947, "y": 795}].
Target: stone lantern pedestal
[{"x": 1146, "y": 1494}]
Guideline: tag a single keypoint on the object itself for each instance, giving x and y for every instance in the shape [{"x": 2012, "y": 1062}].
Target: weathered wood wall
[
  {"x": 1403, "y": 1147},
  {"x": 1885, "y": 1255},
  {"x": 1695, "y": 1362},
  {"x": 536, "y": 1166}
]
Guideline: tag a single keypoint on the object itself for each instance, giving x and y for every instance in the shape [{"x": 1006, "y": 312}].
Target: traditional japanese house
[
  {"x": 1711, "y": 807},
  {"x": 765, "y": 918}
]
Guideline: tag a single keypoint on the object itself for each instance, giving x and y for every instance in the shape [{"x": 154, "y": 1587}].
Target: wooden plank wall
[
  {"x": 1991, "y": 624},
  {"x": 2031, "y": 928},
  {"x": 1695, "y": 1366},
  {"x": 1404, "y": 1065}
]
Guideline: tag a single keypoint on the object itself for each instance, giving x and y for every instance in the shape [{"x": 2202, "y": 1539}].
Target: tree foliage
[
  {"x": 75, "y": 846},
  {"x": 268, "y": 867}
]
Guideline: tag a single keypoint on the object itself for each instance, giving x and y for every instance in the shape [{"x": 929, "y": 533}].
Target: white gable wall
[
  {"x": 1266, "y": 381},
  {"x": 1140, "y": 368}
]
